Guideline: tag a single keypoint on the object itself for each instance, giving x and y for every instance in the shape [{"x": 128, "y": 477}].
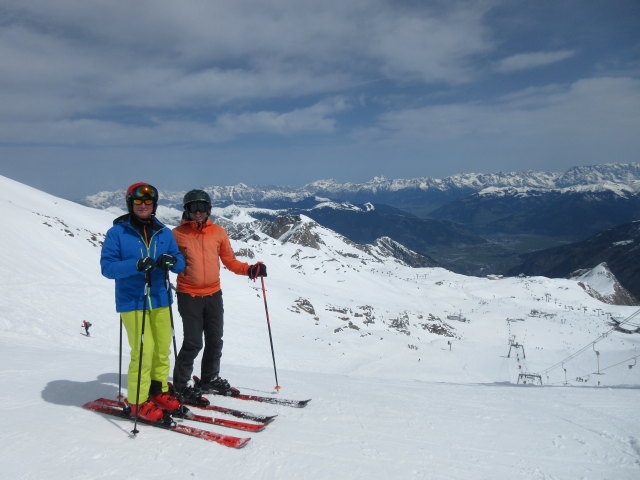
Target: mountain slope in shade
[
  {"x": 367, "y": 222},
  {"x": 618, "y": 247},
  {"x": 572, "y": 214}
]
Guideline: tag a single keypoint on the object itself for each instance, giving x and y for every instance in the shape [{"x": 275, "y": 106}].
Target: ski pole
[
  {"x": 147, "y": 293},
  {"x": 120, "y": 397},
  {"x": 273, "y": 356},
  {"x": 168, "y": 285}
]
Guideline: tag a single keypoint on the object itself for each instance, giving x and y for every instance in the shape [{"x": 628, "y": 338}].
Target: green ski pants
[{"x": 156, "y": 350}]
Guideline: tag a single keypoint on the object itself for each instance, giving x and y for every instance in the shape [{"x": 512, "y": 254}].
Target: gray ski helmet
[{"x": 196, "y": 195}]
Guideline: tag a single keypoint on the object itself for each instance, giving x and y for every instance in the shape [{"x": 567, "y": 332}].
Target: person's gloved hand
[
  {"x": 145, "y": 264},
  {"x": 166, "y": 262},
  {"x": 257, "y": 270}
]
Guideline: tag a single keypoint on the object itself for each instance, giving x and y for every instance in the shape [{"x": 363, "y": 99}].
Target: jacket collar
[
  {"x": 126, "y": 220},
  {"x": 196, "y": 225}
]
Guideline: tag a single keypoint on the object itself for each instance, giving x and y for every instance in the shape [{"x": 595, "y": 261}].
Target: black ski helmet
[
  {"x": 196, "y": 195},
  {"x": 141, "y": 190}
]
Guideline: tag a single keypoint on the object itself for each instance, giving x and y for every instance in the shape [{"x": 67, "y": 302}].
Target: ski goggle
[
  {"x": 140, "y": 201},
  {"x": 144, "y": 191},
  {"x": 197, "y": 206}
]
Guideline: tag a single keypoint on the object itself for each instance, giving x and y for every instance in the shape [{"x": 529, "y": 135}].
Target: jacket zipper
[{"x": 142, "y": 255}]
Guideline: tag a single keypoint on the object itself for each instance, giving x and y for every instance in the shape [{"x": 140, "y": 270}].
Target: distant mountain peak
[
  {"x": 623, "y": 175},
  {"x": 297, "y": 229},
  {"x": 602, "y": 284}
]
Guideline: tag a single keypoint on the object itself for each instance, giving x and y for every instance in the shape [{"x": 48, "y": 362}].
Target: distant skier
[
  {"x": 138, "y": 247},
  {"x": 203, "y": 245},
  {"x": 86, "y": 326}
]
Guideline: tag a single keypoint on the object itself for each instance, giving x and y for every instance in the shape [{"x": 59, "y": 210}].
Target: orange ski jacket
[{"x": 203, "y": 247}]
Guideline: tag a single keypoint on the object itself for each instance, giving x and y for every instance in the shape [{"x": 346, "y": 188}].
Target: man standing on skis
[
  {"x": 203, "y": 244},
  {"x": 137, "y": 252}
]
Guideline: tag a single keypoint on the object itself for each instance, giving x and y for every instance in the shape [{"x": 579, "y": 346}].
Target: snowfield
[{"x": 413, "y": 373}]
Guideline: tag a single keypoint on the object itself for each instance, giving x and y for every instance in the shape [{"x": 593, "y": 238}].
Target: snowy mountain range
[
  {"x": 414, "y": 195},
  {"x": 421, "y": 362},
  {"x": 469, "y": 223}
]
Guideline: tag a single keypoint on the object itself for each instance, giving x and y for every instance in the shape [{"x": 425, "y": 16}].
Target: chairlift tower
[
  {"x": 515, "y": 345},
  {"x": 598, "y": 357}
]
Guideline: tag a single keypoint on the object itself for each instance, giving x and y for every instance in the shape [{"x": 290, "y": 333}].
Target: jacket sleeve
[
  {"x": 229, "y": 258},
  {"x": 175, "y": 251},
  {"x": 111, "y": 262}
]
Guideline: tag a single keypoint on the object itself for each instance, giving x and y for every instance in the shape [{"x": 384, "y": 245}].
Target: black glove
[
  {"x": 257, "y": 270},
  {"x": 145, "y": 264},
  {"x": 166, "y": 261}
]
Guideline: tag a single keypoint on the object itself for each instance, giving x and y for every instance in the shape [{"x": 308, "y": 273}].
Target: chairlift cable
[{"x": 592, "y": 343}]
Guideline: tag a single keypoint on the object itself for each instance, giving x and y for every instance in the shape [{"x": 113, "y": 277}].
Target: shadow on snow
[{"x": 71, "y": 393}]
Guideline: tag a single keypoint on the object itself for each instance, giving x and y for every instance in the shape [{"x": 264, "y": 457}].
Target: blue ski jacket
[{"x": 121, "y": 250}]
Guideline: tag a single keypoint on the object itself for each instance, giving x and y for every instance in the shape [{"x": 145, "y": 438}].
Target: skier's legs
[
  {"x": 191, "y": 310},
  {"x": 132, "y": 322},
  {"x": 213, "y": 332},
  {"x": 160, "y": 323}
]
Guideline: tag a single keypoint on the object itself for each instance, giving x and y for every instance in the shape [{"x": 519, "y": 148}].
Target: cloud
[
  {"x": 97, "y": 73},
  {"x": 527, "y": 61},
  {"x": 427, "y": 47},
  {"x": 164, "y": 54},
  {"x": 602, "y": 112},
  {"x": 215, "y": 87},
  {"x": 316, "y": 118},
  {"x": 102, "y": 133}
]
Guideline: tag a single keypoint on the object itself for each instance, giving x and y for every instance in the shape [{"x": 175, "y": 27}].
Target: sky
[{"x": 96, "y": 96}]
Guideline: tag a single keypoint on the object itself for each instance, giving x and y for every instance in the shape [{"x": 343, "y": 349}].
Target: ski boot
[{"x": 218, "y": 386}]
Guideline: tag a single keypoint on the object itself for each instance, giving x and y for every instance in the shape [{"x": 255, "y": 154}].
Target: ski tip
[{"x": 241, "y": 443}]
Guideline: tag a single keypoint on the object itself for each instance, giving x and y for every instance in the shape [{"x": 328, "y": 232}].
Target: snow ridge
[{"x": 621, "y": 178}]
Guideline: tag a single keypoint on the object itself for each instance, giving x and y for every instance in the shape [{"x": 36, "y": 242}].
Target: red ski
[
  {"x": 234, "y": 442},
  {"x": 256, "y": 398},
  {"x": 264, "y": 419},
  {"x": 255, "y": 417},
  {"x": 249, "y": 427},
  {"x": 186, "y": 414},
  {"x": 274, "y": 400}
]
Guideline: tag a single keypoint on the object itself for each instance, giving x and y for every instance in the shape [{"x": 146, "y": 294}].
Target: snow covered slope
[{"x": 413, "y": 372}]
